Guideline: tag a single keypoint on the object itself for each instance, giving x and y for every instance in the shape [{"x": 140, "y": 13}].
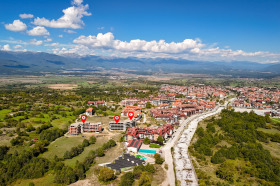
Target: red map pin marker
[
  {"x": 83, "y": 118},
  {"x": 130, "y": 115},
  {"x": 117, "y": 118}
]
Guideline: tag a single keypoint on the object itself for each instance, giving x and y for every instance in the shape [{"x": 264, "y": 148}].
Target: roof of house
[{"x": 134, "y": 143}]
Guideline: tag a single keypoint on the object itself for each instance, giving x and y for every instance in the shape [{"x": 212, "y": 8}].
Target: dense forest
[{"x": 231, "y": 145}]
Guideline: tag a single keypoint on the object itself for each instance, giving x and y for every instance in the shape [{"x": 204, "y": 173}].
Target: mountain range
[{"x": 40, "y": 63}]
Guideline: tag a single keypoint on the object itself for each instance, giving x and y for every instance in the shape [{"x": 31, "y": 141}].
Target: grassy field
[
  {"x": 273, "y": 147},
  {"x": 62, "y": 122},
  {"x": 43, "y": 181},
  {"x": 276, "y": 120},
  {"x": 4, "y": 112},
  {"x": 269, "y": 131},
  {"x": 84, "y": 154},
  {"x": 61, "y": 145}
]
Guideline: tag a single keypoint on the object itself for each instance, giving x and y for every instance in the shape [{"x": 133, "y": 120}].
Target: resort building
[
  {"x": 134, "y": 145},
  {"x": 121, "y": 125},
  {"x": 74, "y": 129},
  {"x": 151, "y": 133},
  {"x": 77, "y": 128}
]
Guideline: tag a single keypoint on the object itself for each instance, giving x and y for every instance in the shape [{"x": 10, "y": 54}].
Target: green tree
[
  {"x": 106, "y": 175},
  {"x": 3, "y": 151},
  {"x": 160, "y": 140},
  {"x": 158, "y": 159},
  {"x": 144, "y": 180},
  {"x": 148, "y": 105},
  {"x": 100, "y": 152},
  {"x": 146, "y": 141},
  {"x": 226, "y": 171},
  {"x": 127, "y": 179},
  {"x": 85, "y": 143},
  {"x": 65, "y": 176},
  {"x": 92, "y": 140}
]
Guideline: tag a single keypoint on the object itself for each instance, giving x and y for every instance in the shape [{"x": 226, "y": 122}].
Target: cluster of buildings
[
  {"x": 130, "y": 108},
  {"x": 196, "y": 92},
  {"x": 77, "y": 128},
  {"x": 170, "y": 108},
  {"x": 257, "y": 98}
]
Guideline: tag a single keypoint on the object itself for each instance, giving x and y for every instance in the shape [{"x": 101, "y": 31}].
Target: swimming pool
[{"x": 147, "y": 151}]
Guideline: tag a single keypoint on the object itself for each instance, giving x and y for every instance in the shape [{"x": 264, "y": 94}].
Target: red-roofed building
[
  {"x": 134, "y": 145},
  {"x": 152, "y": 134},
  {"x": 89, "y": 112},
  {"x": 96, "y": 103}
]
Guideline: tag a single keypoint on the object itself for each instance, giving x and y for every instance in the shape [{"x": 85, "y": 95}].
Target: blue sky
[{"x": 197, "y": 30}]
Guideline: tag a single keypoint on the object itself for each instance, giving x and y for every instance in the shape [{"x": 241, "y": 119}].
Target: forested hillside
[{"x": 228, "y": 150}]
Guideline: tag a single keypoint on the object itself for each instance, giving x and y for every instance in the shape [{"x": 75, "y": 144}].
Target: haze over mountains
[{"x": 40, "y": 63}]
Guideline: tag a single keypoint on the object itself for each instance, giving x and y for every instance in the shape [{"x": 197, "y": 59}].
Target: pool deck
[
  {"x": 147, "y": 147},
  {"x": 150, "y": 157}
]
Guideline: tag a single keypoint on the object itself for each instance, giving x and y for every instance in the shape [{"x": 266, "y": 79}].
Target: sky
[{"x": 203, "y": 30}]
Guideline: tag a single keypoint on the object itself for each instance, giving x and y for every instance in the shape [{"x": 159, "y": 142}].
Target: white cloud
[
  {"x": 48, "y": 40},
  {"x": 72, "y": 17},
  {"x": 38, "y": 31},
  {"x": 107, "y": 41},
  {"x": 35, "y": 42},
  {"x": 77, "y": 2},
  {"x": 6, "y": 47},
  {"x": 70, "y": 31},
  {"x": 190, "y": 49},
  {"x": 52, "y": 44},
  {"x": 16, "y": 26},
  {"x": 25, "y": 16},
  {"x": 18, "y": 47},
  {"x": 60, "y": 35},
  {"x": 101, "y": 28}
]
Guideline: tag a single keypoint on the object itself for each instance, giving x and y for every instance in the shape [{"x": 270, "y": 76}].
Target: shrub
[
  {"x": 85, "y": 143},
  {"x": 144, "y": 179},
  {"x": 158, "y": 159},
  {"x": 155, "y": 146},
  {"x": 146, "y": 141},
  {"x": 100, "y": 152},
  {"x": 160, "y": 140},
  {"x": 106, "y": 175},
  {"x": 127, "y": 179},
  {"x": 92, "y": 140}
]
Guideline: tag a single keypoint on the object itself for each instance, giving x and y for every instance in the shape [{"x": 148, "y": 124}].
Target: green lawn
[
  {"x": 269, "y": 131},
  {"x": 276, "y": 120},
  {"x": 81, "y": 157},
  {"x": 273, "y": 148},
  {"x": 62, "y": 122},
  {"x": 4, "y": 112},
  {"x": 61, "y": 145},
  {"x": 43, "y": 181}
]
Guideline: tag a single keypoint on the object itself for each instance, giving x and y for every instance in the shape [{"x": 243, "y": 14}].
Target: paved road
[
  {"x": 185, "y": 171},
  {"x": 170, "y": 180}
]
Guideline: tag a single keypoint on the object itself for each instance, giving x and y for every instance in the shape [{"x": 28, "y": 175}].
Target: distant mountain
[{"x": 36, "y": 63}]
